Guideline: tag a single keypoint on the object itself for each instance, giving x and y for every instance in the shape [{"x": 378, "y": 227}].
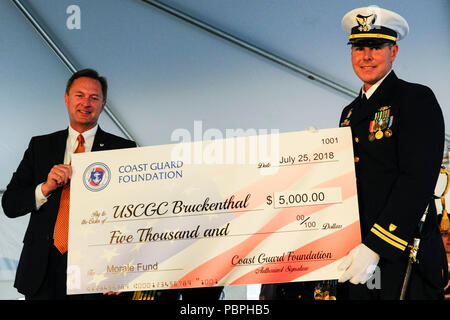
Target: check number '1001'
[{"x": 300, "y": 198}]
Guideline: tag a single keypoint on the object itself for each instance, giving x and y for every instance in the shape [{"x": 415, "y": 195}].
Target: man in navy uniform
[{"x": 398, "y": 139}]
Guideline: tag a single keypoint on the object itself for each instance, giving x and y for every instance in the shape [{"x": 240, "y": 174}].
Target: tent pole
[
  {"x": 65, "y": 60},
  {"x": 248, "y": 46},
  {"x": 259, "y": 51}
]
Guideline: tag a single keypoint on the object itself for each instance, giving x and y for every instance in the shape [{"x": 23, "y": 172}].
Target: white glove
[{"x": 359, "y": 265}]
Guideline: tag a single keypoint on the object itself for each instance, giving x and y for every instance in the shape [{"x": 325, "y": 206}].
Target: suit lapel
[
  {"x": 56, "y": 152},
  {"x": 100, "y": 142},
  {"x": 376, "y": 101},
  {"x": 362, "y": 112},
  {"x": 59, "y": 141}
]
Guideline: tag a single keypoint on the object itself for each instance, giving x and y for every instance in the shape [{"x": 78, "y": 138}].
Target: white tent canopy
[{"x": 255, "y": 64}]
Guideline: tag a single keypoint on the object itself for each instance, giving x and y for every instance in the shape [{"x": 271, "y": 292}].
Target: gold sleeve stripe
[
  {"x": 389, "y": 237},
  {"x": 395, "y": 244}
]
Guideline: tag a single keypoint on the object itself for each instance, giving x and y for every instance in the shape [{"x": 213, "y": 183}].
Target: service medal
[
  {"x": 391, "y": 119},
  {"x": 346, "y": 121},
  {"x": 376, "y": 127},
  {"x": 379, "y": 135},
  {"x": 380, "y": 125},
  {"x": 388, "y": 133}
]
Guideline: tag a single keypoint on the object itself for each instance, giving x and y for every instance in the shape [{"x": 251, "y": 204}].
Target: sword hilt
[{"x": 414, "y": 248}]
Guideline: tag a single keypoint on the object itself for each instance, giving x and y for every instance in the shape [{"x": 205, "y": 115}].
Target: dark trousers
[
  {"x": 386, "y": 284},
  {"x": 390, "y": 285},
  {"x": 201, "y": 294},
  {"x": 292, "y": 290},
  {"x": 54, "y": 284}
]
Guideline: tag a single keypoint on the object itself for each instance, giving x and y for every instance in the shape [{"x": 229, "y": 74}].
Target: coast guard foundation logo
[{"x": 97, "y": 176}]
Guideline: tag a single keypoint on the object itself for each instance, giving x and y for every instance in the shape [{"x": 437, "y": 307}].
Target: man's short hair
[{"x": 89, "y": 73}]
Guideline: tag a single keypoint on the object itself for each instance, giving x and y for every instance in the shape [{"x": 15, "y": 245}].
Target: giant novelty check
[{"x": 243, "y": 210}]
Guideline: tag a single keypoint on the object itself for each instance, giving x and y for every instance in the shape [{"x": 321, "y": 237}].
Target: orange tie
[{"x": 62, "y": 221}]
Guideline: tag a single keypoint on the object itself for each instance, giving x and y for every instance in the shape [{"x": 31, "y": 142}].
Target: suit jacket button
[
  {"x": 356, "y": 139},
  {"x": 356, "y": 159}
]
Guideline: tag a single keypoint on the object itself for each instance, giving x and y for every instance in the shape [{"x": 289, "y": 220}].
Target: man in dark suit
[
  {"x": 43, "y": 173},
  {"x": 398, "y": 132}
]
